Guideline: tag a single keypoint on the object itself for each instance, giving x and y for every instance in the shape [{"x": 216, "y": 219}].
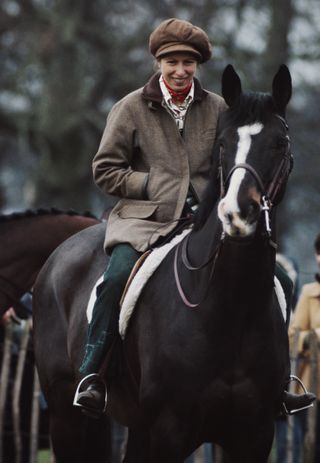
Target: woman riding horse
[{"x": 155, "y": 155}]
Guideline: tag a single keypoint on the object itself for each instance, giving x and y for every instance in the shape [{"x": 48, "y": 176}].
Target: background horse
[
  {"x": 209, "y": 369},
  {"x": 26, "y": 241}
]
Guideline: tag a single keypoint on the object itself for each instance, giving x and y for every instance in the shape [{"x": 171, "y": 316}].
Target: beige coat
[
  {"x": 307, "y": 317},
  {"x": 141, "y": 140}
]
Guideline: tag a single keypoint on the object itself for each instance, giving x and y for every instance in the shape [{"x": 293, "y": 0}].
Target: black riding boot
[{"x": 103, "y": 330}]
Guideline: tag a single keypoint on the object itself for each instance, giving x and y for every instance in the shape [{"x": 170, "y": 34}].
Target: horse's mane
[
  {"x": 43, "y": 211},
  {"x": 251, "y": 107}
]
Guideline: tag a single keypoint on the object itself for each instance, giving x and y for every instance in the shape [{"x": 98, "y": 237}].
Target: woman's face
[
  {"x": 318, "y": 259},
  {"x": 178, "y": 69}
]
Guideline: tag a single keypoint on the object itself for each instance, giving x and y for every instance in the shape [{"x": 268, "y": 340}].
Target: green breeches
[{"x": 103, "y": 328}]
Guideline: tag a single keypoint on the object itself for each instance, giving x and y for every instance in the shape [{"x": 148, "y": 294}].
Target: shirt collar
[{"x": 167, "y": 97}]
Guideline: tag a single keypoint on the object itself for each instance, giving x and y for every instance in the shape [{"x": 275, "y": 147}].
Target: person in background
[{"x": 306, "y": 319}]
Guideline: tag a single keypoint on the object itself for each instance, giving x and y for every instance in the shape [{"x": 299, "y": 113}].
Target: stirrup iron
[
  {"x": 80, "y": 389},
  {"x": 292, "y": 412}
]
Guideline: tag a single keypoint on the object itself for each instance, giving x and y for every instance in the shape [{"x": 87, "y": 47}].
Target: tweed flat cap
[{"x": 174, "y": 35}]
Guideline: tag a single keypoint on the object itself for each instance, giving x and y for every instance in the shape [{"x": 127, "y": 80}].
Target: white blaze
[{"x": 229, "y": 204}]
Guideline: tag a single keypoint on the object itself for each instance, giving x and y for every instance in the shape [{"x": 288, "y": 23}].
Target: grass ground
[{"x": 44, "y": 456}]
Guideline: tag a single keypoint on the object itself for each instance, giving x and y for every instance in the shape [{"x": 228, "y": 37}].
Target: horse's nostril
[{"x": 229, "y": 217}]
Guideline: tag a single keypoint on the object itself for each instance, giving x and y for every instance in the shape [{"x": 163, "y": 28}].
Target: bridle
[
  {"x": 269, "y": 194},
  {"x": 268, "y": 199}
]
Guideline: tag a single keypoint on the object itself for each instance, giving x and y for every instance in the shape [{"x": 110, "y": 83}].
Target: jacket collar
[{"x": 152, "y": 91}]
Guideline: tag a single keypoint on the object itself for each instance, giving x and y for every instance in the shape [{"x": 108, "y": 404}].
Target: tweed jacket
[
  {"x": 306, "y": 318},
  {"x": 141, "y": 141}
]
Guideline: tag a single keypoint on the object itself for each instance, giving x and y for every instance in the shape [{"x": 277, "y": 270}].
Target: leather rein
[{"x": 268, "y": 197}]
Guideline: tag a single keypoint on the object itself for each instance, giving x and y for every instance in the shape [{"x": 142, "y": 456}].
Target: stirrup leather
[
  {"x": 80, "y": 389},
  {"x": 292, "y": 412}
]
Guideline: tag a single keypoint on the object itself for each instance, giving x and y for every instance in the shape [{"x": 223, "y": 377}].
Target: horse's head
[{"x": 255, "y": 158}]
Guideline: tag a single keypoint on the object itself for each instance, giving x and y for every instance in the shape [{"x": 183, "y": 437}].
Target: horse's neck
[
  {"x": 252, "y": 261},
  {"x": 203, "y": 242}
]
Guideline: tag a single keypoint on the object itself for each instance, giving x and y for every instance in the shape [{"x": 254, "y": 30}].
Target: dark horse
[
  {"x": 26, "y": 241},
  {"x": 205, "y": 358}
]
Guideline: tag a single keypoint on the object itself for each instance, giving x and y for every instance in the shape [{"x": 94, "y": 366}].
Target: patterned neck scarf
[{"x": 178, "y": 96}]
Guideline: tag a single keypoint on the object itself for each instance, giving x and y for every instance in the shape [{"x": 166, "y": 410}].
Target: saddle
[{"x": 133, "y": 273}]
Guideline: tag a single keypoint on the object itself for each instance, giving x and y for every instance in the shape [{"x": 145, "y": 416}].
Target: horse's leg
[
  {"x": 76, "y": 438},
  {"x": 171, "y": 438},
  {"x": 168, "y": 450},
  {"x": 251, "y": 448},
  {"x": 138, "y": 445},
  {"x": 143, "y": 449},
  {"x": 246, "y": 454}
]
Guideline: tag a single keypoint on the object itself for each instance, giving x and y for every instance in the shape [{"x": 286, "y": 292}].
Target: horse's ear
[
  {"x": 282, "y": 89},
  {"x": 231, "y": 85}
]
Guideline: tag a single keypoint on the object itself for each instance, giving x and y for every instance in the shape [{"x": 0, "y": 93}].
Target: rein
[{"x": 186, "y": 262}]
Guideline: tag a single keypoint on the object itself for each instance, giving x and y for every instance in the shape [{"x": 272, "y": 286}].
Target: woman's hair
[{"x": 317, "y": 244}]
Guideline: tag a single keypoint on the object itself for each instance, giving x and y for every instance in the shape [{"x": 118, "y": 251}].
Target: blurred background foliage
[{"x": 64, "y": 63}]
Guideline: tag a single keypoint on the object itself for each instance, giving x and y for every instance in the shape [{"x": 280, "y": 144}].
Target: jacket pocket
[
  {"x": 208, "y": 138},
  {"x": 137, "y": 210}
]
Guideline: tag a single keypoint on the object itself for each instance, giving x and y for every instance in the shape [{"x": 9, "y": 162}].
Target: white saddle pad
[
  {"x": 151, "y": 263},
  {"x": 149, "y": 266}
]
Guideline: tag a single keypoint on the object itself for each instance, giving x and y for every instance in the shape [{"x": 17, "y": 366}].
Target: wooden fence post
[
  {"x": 4, "y": 379},
  {"x": 24, "y": 338},
  {"x": 35, "y": 416}
]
